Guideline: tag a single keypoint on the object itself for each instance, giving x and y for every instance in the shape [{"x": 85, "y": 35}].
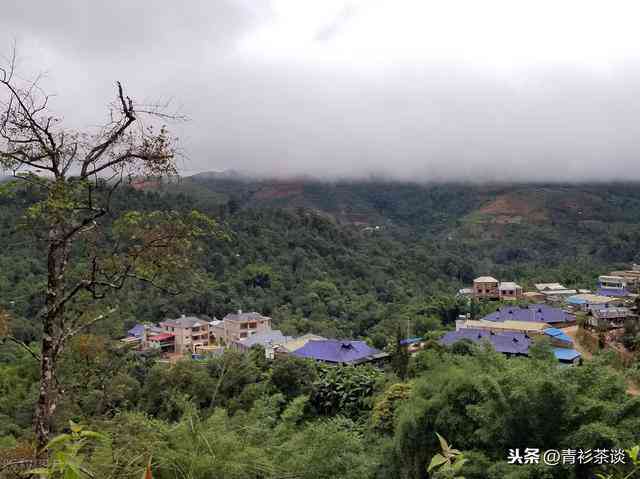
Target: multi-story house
[
  {"x": 631, "y": 277},
  {"x": 238, "y": 326},
  {"x": 486, "y": 287},
  {"x": 190, "y": 333},
  {"x": 614, "y": 286}
]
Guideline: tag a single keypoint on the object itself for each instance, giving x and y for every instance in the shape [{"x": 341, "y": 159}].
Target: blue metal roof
[
  {"x": 614, "y": 293},
  {"x": 506, "y": 342},
  {"x": 565, "y": 354},
  {"x": 410, "y": 341},
  {"x": 557, "y": 334},
  {"x": 576, "y": 300},
  {"x": 137, "y": 331},
  {"x": 337, "y": 351},
  {"x": 535, "y": 313}
]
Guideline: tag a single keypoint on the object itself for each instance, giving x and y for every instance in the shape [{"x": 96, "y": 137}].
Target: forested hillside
[{"x": 314, "y": 272}]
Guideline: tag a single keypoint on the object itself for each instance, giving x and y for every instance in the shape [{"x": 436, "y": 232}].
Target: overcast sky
[{"x": 442, "y": 89}]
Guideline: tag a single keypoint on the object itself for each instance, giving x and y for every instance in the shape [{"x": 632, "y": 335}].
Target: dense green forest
[
  {"x": 316, "y": 267},
  {"x": 312, "y": 272}
]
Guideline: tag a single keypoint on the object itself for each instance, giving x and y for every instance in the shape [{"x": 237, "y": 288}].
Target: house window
[
  {"x": 253, "y": 325},
  {"x": 243, "y": 335},
  {"x": 243, "y": 325}
]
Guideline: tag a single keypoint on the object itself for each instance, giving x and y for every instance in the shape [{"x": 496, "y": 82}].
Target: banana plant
[
  {"x": 67, "y": 454},
  {"x": 447, "y": 462}
]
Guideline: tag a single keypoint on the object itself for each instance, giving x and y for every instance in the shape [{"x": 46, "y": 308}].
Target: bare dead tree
[{"x": 77, "y": 173}]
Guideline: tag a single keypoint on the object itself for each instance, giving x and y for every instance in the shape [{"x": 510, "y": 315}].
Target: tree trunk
[
  {"x": 53, "y": 330},
  {"x": 47, "y": 396}
]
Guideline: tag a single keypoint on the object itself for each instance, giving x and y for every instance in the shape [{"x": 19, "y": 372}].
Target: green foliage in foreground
[{"x": 291, "y": 418}]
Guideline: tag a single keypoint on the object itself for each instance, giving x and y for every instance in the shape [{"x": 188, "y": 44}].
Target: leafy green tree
[
  {"x": 384, "y": 409},
  {"x": 256, "y": 275},
  {"x": 542, "y": 350},
  {"x": 400, "y": 359},
  {"x": 293, "y": 376},
  {"x": 327, "y": 449},
  {"x": 344, "y": 390},
  {"x": 201, "y": 449}
]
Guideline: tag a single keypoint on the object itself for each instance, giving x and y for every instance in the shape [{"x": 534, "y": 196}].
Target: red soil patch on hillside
[
  {"x": 512, "y": 209},
  {"x": 145, "y": 184},
  {"x": 279, "y": 190}
]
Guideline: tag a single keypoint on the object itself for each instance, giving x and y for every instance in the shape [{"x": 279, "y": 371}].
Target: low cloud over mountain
[{"x": 457, "y": 90}]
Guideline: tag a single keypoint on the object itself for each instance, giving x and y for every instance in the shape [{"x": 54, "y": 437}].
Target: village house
[
  {"x": 631, "y": 277},
  {"x": 486, "y": 287},
  {"x": 414, "y": 344},
  {"x": 296, "y": 343},
  {"x": 335, "y": 351},
  {"x": 513, "y": 344},
  {"x": 554, "y": 291},
  {"x": 164, "y": 342},
  {"x": 509, "y": 291},
  {"x": 269, "y": 340},
  {"x": 238, "y": 326},
  {"x": 466, "y": 293},
  {"x": 190, "y": 333},
  {"x": 507, "y": 342},
  {"x": 609, "y": 318},
  {"x": 558, "y": 338},
  {"x": 531, "y": 328},
  {"x": 613, "y": 286},
  {"x": 534, "y": 313},
  {"x": 534, "y": 296},
  {"x": 543, "y": 287},
  {"x": 589, "y": 302}
]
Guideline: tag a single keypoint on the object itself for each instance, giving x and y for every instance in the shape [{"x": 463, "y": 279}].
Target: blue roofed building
[
  {"x": 613, "y": 293},
  {"x": 336, "y": 351},
  {"x": 591, "y": 302},
  {"x": 558, "y": 337},
  {"x": 540, "y": 313},
  {"x": 566, "y": 355},
  {"x": 137, "y": 331},
  {"x": 612, "y": 286},
  {"x": 509, "y": 343},
  {"x": 515, "y": 344}
]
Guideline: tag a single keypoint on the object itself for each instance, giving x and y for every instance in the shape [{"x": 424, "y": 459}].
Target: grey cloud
[
  {"x": 281, "y": 117},
  {"x": 337, "y": 24}
]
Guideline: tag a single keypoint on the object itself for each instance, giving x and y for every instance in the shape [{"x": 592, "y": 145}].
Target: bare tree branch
[{"x": 23, "y": 345}]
